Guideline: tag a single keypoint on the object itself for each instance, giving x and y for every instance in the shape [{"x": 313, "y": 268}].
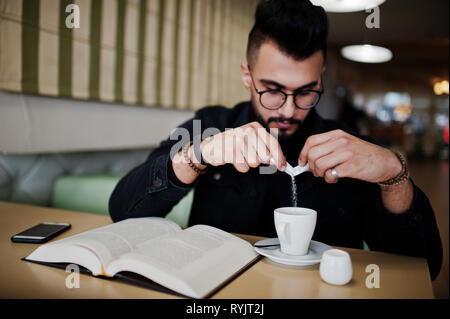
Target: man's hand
[
  {"x": 350, "y": 156},
  {"x": 244, "y": 147}
]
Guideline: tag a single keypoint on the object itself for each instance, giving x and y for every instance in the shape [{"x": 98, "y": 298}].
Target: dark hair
[{"x": 297, "y": 26}]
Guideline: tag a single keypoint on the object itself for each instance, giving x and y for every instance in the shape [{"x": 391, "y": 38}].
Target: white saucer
[{"x": 314, "y": 255}]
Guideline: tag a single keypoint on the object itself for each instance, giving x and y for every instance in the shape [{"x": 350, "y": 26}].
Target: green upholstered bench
[{"x": 90, "y": 193}]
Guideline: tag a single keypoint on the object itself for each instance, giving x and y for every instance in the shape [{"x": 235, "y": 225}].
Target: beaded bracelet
[
  {"x": 402, "y": 177},
  {"x": 188, "y": 160}
]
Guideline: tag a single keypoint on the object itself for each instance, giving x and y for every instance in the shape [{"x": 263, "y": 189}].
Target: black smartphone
[{"x": 40, "y": 233}]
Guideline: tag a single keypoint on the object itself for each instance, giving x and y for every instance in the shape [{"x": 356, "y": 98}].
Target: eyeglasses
[{"x": 275, "y": 99}]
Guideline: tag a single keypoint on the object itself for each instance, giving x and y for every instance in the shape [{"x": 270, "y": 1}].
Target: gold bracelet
[{"x": 402, "y": 177}]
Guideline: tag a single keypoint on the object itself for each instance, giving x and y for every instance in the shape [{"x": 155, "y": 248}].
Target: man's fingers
[
  {"x": 342, "y": 170},
  {"x": 274, "y": 148},
  {"x": 251, "y": 155},
  {"x": 247, "y": 146},
  {"x": 317, "y": 152},
  {"x": 317, "y": 140},
  {"x": 324, "y": 164},
  {"x": 260, "y": 142},
  {"x": 271, "y": 144},
  {"x": 239, "y": 161},
  {"x": 229, "y": 147},
  {"x": 329, "y": 178},
  {"x": 263, "y": 151}
]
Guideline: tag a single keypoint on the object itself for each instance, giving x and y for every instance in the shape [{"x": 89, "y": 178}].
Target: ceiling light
[
  {"x": 366, "y": 53},
  {"x": 441, "y": 88},
  {"x": 347, "y": 5}
]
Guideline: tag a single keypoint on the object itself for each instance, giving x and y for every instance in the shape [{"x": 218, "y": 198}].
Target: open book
[{"x": 193, "y": 262}]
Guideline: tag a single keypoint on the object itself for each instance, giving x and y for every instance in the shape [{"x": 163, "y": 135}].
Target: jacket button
[
  {"x": 341, "y": 211},
  {"x": 157, "y": 182},
  {"x": 217, "y": 176}
]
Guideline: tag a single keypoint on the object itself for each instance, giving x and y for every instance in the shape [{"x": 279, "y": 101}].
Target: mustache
[{"x": 285, "y": 120}]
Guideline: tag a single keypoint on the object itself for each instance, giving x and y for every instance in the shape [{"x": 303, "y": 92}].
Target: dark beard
[{"x": 282, "y": 132}]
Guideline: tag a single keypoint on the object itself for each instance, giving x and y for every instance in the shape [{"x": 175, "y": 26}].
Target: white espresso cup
[{"x": 295, "y": 228}]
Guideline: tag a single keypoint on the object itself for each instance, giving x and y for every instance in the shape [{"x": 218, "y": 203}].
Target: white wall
[{"x": 34, "y": 124}]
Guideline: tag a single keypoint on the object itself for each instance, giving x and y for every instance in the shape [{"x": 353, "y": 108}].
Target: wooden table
[{"x": 400, "y": 276}]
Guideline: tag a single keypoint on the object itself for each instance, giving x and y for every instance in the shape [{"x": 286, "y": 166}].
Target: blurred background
[{"x": 89, "y": 87}]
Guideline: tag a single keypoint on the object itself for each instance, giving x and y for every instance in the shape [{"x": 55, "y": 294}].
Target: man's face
[{"x": 273, "y": 69}]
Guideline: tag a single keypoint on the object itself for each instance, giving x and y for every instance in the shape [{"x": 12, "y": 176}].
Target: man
[{"x": 361, "y": 191}]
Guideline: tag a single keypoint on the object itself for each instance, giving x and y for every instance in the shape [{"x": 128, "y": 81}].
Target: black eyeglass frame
[{"x": 286, "y": 95}]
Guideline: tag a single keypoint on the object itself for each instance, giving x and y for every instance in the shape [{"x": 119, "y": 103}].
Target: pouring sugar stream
[{"x": 293, "y": 172}]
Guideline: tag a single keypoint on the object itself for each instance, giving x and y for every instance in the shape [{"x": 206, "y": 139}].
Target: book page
[
  {"x": 111, "y": 241},
  {"x": 192, "y": 262}
]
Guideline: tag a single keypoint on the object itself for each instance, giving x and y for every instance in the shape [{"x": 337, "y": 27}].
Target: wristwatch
[{"x": 402, "y": 177}]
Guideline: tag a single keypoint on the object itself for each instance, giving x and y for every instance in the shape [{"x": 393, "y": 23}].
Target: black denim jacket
[{"x": 349, "y": 212}]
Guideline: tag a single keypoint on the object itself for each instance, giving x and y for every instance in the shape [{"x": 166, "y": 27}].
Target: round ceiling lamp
[
  {"x": 366, "y": 53},
  {"x": 347, "y": 5}
]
